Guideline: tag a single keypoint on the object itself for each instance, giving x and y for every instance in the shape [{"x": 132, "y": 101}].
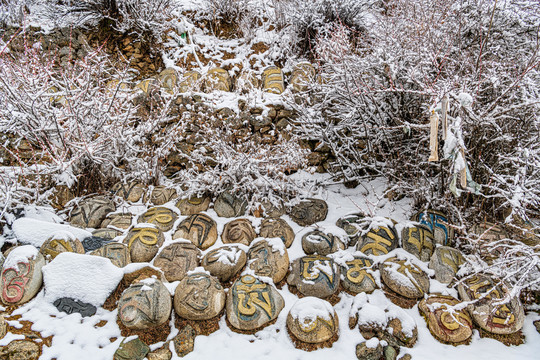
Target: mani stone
[
  {"x": 162, "y": 217},
  {"x": 92, "y": 243},
  {"x": 148, "y": 85},
  {"x": 404, "y": 278},
  {"x": 271, "y": 210},
  {"x": 131, "y": 192},
  {"x": 120, "y": 221},
  {"x": 356, "y": 276},
  {"x": 91, "y": 212},
  {"x": 131, "y": 350},
  {"x": 144, "y": 304},
  {"x": 438, "y": 223},
  {"x": 21, "y": 275},
  {"x": 106, "y": 233},
  {"x": 200, "y": 229},
  {"x": 396, "y": 335},
  {"x": 229, "y": 205},
  {"x": 353, "y": 225},
  {"x": 446, "y": 261},
  {"x": 497, "y": 319},
  {"x": 177, "y": 259},
  {"x": 312, "y": 320},
  {"x": 446, "y": 326},
  {"x": 378, "y": 241},
  {"x": 70, "y": 306},
  {"x": 57, "y": 244},
  {"x": 268, "y": 257},
  {"x": 317, "y": 242},
  {"x": 315, "y": 275},
  {"x": 118, "y": 253},
  {"x": 247, "y": 81},
  {"x": 309, "y": 212},
  {"x": 217, "y": 79},
  {"x": 160, "y": 195},
  {"x": 418, "y": 240},
  {"x": 143, "y": 243},
  {"x": 238, "y": 231},
  {"x": 20, "y": 350},
  {"x": 303, "y": 74},
  {"x": 168, "y": 79},
  {"x": 273, "y": 80},
  {"x": 489, "y": 232},
  {"x": 189, "y": 81},
  {"x": 224, "y": 262},
  {"x": 252, "y": 304},
  {"x": 199, "y": 296},
  {"x": 193, "y": 205},
  {"x": 272, "y": 228}
]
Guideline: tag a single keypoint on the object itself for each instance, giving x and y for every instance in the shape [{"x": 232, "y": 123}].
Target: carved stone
[
  {"x": 303, "y": 74},
  {"x": 229, "y": 205},
  {"x": 489, "y": 232},
  {"x": 200, "y": 229},
  {"x": 317, "y": 242},
  {"x": 162, "y": 217},
  {"x": 199, "y": 297},
  {"x": 439, "y": 224},
  {"x": 70, "y": 306},
  {"x": 175, "y": 260},
  {"x": 271, "y": 210},
  {"x": 21, "y": 275},
  {"x": 315, "y": 275},
  {"x": 378, "y": 241},
  {"x": 357, "y": 277},
  {"x": 143, "y": 243},
  {"x": 20, "y": 350},
  {"x": 405, "y": 278},
  {"x": 189, "y": 81},
  {"x": 217, "y": 79},
  {"x": 193, "y": 205},
  {"x": 309, "y": 212},
  {"x": 120, "y": 221},
  {"x": 268, "y": 257},
  {"x": 132, "y": 350},
  {"x": 446, "y": 262},
  {"x": 91, "y": 212},
  {"x": 353, "y": 225},
  {"x": 92, "y": 243},
  {"x": 273, "y": 80},
  {"x": 271, "y": 228},
  {"x": 131, "y": 192},
  {"x": 106, "y": 233},
  {"x": 225, "y": 262},
  {"x": 160, "y": 195},
  {"x": 418, "y": 240},
  {"x": 56, "y": 245},
  {"x": 238, "y": 231},
  {"x": 453, "y": 327},
  {"x": 116, "y": 252},
  {"x": 168, "y": 79},
  {"x": 312, "y": 320}
]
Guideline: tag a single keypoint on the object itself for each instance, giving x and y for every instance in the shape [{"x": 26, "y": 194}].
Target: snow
[
  {"x": 229, "y": 255},
  {"x": 35, "y": 232},
  {"x": 276, "y": 243},
  {"x": 310, "y": 308},
  {"x": 20, "y": 254}
]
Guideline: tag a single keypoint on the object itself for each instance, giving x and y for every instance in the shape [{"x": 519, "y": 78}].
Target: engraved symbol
[
  {"x": 435, "y": 222},
  {"x": 378, "y": 247},
  {"x": 177, "y": 252},
  {"x": 116, "y": 253},
  {"x": 356, "y": 272},
  {"x": 58, "y": 246},
  {"x": 15, "y": 281},
  {"x": 450, "y": 258},
  {"x": 408, "y": 271},
  {"x": 250, "y": 295},
  {"x": 197, "y": 297},
  {"x": 139, "y": 302},
  {"x": 147, "y": 236},
  {"x": 420, "y": 238},
  {"x": 482, "y": 287},
  {"x": 200, "y": 225},
  {"x": 260, "y": 263},
  {"x": 158, "y": 215},
  {"x": 314, "y": 266}
]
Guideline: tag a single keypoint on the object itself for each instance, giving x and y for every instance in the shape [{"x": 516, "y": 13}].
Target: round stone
[
  {"x": 193, "y": 205},
  {"x": 217, "y": 79},
  {"x": 317, "y": 242},
  {"x": 21, "y": 275},
  {"x": 200, "y": 229},
  {"x": 312, "y": 320},
  {"x": 272, "y": 228},
  {"x": 303, "y": 74},
  {"x": 272, "y": 210},
  {"x": 252, "y": 304},
  {"x": 90, "y": 212},
  {"x": 273, "y": 80},
  {"x": 309, "y": 212},
  {"x": 143, "y": 243},
  {"x": 119, "y": 221},
  {"x": 315, "y": 275},
  {"x": 378, "y": 241},
  {"x": 133, "y": 349},
  {"x": 487, "y": 292},
  {"x": 116, "y": 252},
  {"x": 131, "y": 192},
  {"x": 357, "y": 275},
  {"x": 446, "y": 262},
  {"x": 450, "y": 327},
  {"x": 268, "y": 257},
  {"x": 199, "y": 296},
  {"x": 160, "y": 195},
  {"x": 162, "y": 217},
  {"x": 228, "y": 205},
  {"x": 224, "y": 262},
  {"x": 238, "y": 231},
  {"x": 144, "y": 304},
  {"x": 20, "y": 350},
  {"x": 418, "y": 240},
  {"x": 59, "y": 244},
  {"x": 353, "y": 225},
  {"x": 439, "y": 225},
  {"x": 404, "y": 278},
  {"x": 176, "y": 260},
  {"x": 108, "y": 234}
]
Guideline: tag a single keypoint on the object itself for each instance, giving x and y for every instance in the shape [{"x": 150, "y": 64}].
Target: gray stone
[
  {"x": 117, "y": 253},
  {"x": 132, "y": 350},
  {"x": 193, "y": 205},
  {"x": 439, "y": 224},
  {"x": 353, "y": 225},
  {"x": 92, "y": 243},
  {"x": 21, "y": 275},
  {"x": 378, "y": 241},
  {"x": 404, "y": 278},
  {"x": 271, "y": 210},
  {"x": 160, "y": 195},
  {"x": 224, "y": 262},
  {"x": 143, "y": 243},
  {"x": 117, "y": 220},
  {"x": 238, "y": 231},
  {"x": 199, "y": 297},
  {"x": 70, "y": 306},
  {"x": 446, "y": 262},
  {"x": 268, "y": 257},
  {"x": 315, "y": 326},
  {"x": 131, "y": 192},
  {"x": 315, "y": 275},
  {"x": 272, "y": 228},
  {"x": 177, "y": 259},
  {"x": 363, "y": 352},
  {"x": 90, "y": 212},
  {"x": 229, "y": 205},
  {"x": 317, "y": 242},
  {"x": 106, "y": 233},
  {"x": 56, "y": 245},
  {"x": 418, "y": 240},
  {"x": 309, "y": 212},
  {"x": 357, "y": 277},
  {"x": 20, "y": 350},
  {"x": 200, "y": 229},
  {"x": 390, "y": 353},
  {"x": 162, "y": 217},
  {"x": 446, "y": 326}
]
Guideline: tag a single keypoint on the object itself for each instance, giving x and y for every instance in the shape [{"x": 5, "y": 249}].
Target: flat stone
[
  {"x": 439, "y": 224},
  {"x": 193, "y": 205},
  {"x": 92, "y": 243},
  {"x": 132, "y": 350},
  {"x": 144, "y": 304},
  {"x": 162, "y": 353},
  {"x": 315, "y": 275},
  {"x": 20, "y": 350},
  {"x": 446, "y": 326},
  {"x": 303, "y": 74},
  {"x": 312, "y": 320},
  {"x": 177, "y": 259},
  {"x": 317, "y": 242},
  {"x": 21, "y": 275},
  {"x": 118, "y": 253},
  {"x": 272, "y": 228},
  {"x": 229, "y": 205},
  {"x": 120, "y": 221},
  {"x": 56, "y": 245},
  {"x": 378, "y": 241},
  {"x": 70, "y": 306},
  {"x": 309, "y": 212},
  {"x": 497, "y": 319},
  {"x": 273, "y": 80},
  {"x": 225, "y": 262},
  {"x": 162, "y": 217},
  {"x": 357, "y": 277},
  {"x": 160, "y": 195},
  {"x": 90, "y": 212},
  {"x": 217, "y": 79},
  {"x": 404, "y": 278},
  {"x": 365, "y": 352},
  {"x": 446, "y": 262},
  {"x": 184, "y": 342},
  {"x": 199, "y": 296},
  {"x": 238, "y": 231},
  {"x": 143, "y": 243},
  {"x": 268, "y": 257},
  {"x": 419, "y": 241},
  {"x": 200, "y": 229},
  {"x": 252, "y": 304},
  {"x": 131, "y": 192},
  {"x": 108, "y": 234}
]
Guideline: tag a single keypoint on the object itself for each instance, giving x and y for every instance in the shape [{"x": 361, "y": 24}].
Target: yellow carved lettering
[{"x": 147, "y": 236}]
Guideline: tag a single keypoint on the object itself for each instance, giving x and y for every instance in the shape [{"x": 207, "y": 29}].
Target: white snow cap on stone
[
  {"x": 276, "y": 243},
  {"x": 20, "y": 254},
  {"x": 310, "y": 308},
  {"x": 36, "y": 232}
]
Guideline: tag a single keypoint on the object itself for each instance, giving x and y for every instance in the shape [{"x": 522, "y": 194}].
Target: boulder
[
  {"x": 184, "y": 342},
  {"x": 59, "y": 244},
  {"x": 193, "y": 205},
  {"x": 238, "y": 231},
  {"x": 353, "y": 225},
  {"x": 217, "y": 79},
  {"x": 131, "y": 192},
  {"x": 303, "y": 74},
  {"x": 446, "y": 262},
  {"x": 312, "y": 320},
  {"x": 160, "y": 195},
  {"x": 268, "y": 257},
  {"x": 117, "y": 220},
  {"x": 168, "y": 79},
  {"x": 162, "y": 217},
  {"x": 117, "y": 253},
  {"x": 447, "y": 326},
  {"x": 379, "y": 240},
  {"x": 225, "y": 262},
  {"x": 309, "y": 212},
  {"x": 199, "y": 296},
  {"x": 357, "y": 275},
  {"x": 189, "y": 81},
  {"x": 317, "y": 242},
  {"x": 419, "y": 241},
  {"x": 21, "y": 275},
  {"x": 177, "y": 259},
  {"x": 229, "y": 205},
  {"x": 315, "y": 275},
  {"x": 3, "y": 327},
  {"x": 200, "y": 229},
  {"x": 133, "y": 349},
  {"x": 272, "y": 228},
  {"x": 90, "y": 212},
  {"x": 273, "y": 80},
  {"x": 404, "y": 278},
  {"x": 369, "y": 350},
  {"x": 143, "y": 243},
  {"x": 439, "y": 224}
]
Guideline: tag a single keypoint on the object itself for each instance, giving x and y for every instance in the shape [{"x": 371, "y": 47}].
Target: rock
[
  {"x": 162, "y": 353},
  {"x": 439, "y": 224},
  {"x": 200, "y": 229},
  {"x": 116, "y": 252},
  {"x": 143, "y": 243},
  {"x": 312, "y": 320},
  {"x": 406, "y": 357},
  {"x": 225, "y": 262},
  {"x": 144, "y": 304},
  {"x": 184, "y": 342},
  {"x": 446, "y": 262},
  {"x": 217, "y": 79},
  {"x": 120, "y": 221},
  {"x": 238, "y": 231},
  {"x": 92, "y": 243},
  {"x": 353, "y": 225},
  {"x": 59, "y": 244},
  {"x": 108, "y": 234},
  {"x": 315, "y": 275},
  {"x": 193, "y": 205},
  {"x": 168, "y": 79},
  {"x": 90, "y": 212},
  {"x": 536, "y": 324},
  {"x": 189, "y": 81},
  {"x": 21, "y": 275},
  {"x": 450, "y": 327},
  {"x": 3, "y": 327},
  {"x": 397, "y": 335},
  {"x": 160, "y": 195},
  {"x": 497, "y": 319},
  {"x": 418, "y": 240},
  {"x": 378, "y": 241},
  {"x": 131, "y": 192},
  {"x": 489, "y": 232},
  {"x": 272, "y": 228},
  {"x": 2, "y": 259},
  {"x": 162, "y": 217},
  {"x": 309, "y": 212},
  {"x": 369, "y": 350},
  {"x": 252, "y": 304},
  {"x": 357, "y": 277},
  {"x": 247, "y": 82},
  {"x": 20, "y": 350},
  {"x": 268, "y": 257},
  {"x": 228, "y": 205},
  {"x": 177, "y": 259},
  {"x": 61, "y": 196},
  {"x": 390, "y": 353},
  {"x": 317, "y": 242},
  {"x": 132, "y": 350},
  {"x": 199, "y": 297},
  {"x": 271, "y": 210},
  {"x": 273, "y": 80},
  {"x": 404, "y": 278},
  {"x": 303, "y": 74},
  {"x": 70, "y": 306}
]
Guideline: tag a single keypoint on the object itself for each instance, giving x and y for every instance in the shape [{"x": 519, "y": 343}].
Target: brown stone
[
  {"x": 61, "y": 196},
  {"x": 268, "y": 257},
  {"x": 177, "y": 259},
  {"x": 272, "y": 228},
  {"x": 199, "y": 297},
  {"x": 21, "y": 275},
  {"x": 118, "y": 253},
  {"x": 184, "y": 342},
  {"x": 200, "y": 229},
  {"x": 120, "y": 221},
  {"x": 189, "y": 81},
  {"x": 317, "y": 242},
  {"x": 3, "y": 327},
  {"x": 57, "y": 244},
  {"x": 315, "y": 275},
  {"x": 193, "y": 205},
  {"x": 217, "y": 79},
  {"x": 238, "y": 231},
  {"x": 312, "y": 320},
  {"x": 419, "y": 241},
  {"x": 273, "y": 80},
  {"x": 303, "y": 74},
  {"x": 132, "y": 350},
  {"x": 396, "y": 335},
  {"x": 162, "y": 217},
  {"x": 131, "y": 192},
  {"x": 108, "y": 234},
  {"x": 143, "y": 243},
  {"x": 225, "y": 262},
  {"x": 168, "y": 79},
  {"x": 160, "y": 195},
  {"x": 90, "y": 212},
  {"x": 357, "y": 276},
  {"x": 309, "y": 212},
  {"x": 405, "y": 278},
  {"x": 20, "y": 350},
  {"x": 162, "y": 353}
]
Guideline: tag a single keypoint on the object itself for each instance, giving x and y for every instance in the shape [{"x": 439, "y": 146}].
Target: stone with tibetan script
[
  {"x": 378, "y": 241},
  {"x": 90, "y": 212},
  {"x": 418, "y": 240},
  {"x": 162, "y": 217},
  {"x": 252, "y": 304},
  {"x": 148, "y": 86},
  {"x": 160, "y": 195},
  {"x": 225, "y": 262},
  {"x": 489, "y": 232},
  {"x": 317, "y": 242},
  {"x": 357, "y": 275},
  {"x": 144, "y": 304},
  {"x": 353, "y": 225},
  {"x": 131, "y": 192},
  {"x": 193, "y": 205},
  {"x": 70, "y": 306},
  {"x": 247, "y": 82},
  {"x": 134, "y": 349},
  {"x": 404, "y": 278},
  {"x": 189, "y": 81},
  {"x": 168, "y": 79},
  {"x": 309, "y": 212},
  {"x": 495, "y": 318},
  {"x": 177, "y": 259},
  {"x": 21, "y": 275},
  {"x": 199, "y": 296},
  {"x": 143, "y": 243},
  {"x": 446, "y": 261},
  {"x": 238, "y": 231},
  {"x": 303, "y": 74},
  {"x": 271, "y": 210},
  {"x": 200, "y": 229},
  {"x": 217, "y": 79},
  {"x": 312, "y": 320},
  {"x": 59, "y": 244},
  {"x": 439, "y": 224},
  {"x": 229, "y": 205},
  {"x": 447, "y": 326},
  {"x": 118, "y": 253},
  {"x": 92, "y": 243},
  {"x": 273, "y": 80},
  {"x": 117, "y": 221},
  {"x": 268, "y": 257},
  {"x": 107, "y": 234},
  {"x": 20, "y": 350},
  {"x": 315, "y": 275},
  {"x": 271, "y": 228}
]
